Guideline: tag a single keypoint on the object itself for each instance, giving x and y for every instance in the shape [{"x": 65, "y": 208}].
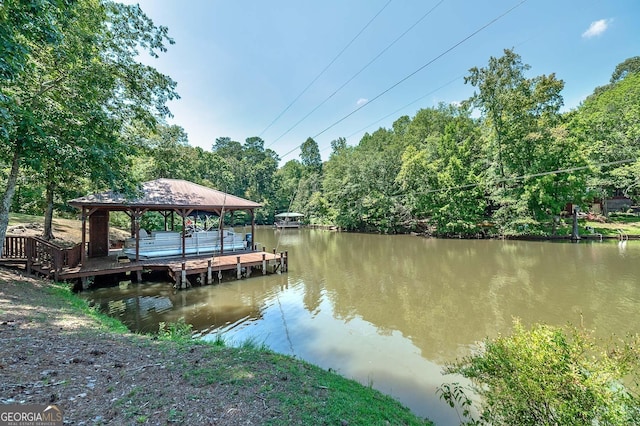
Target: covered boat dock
[
  {"x": 182, "y": 254},
  {"x": 288, "y": 220}
]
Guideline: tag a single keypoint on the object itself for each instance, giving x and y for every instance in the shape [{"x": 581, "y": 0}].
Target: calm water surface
[{"x": 390, "y": 311}]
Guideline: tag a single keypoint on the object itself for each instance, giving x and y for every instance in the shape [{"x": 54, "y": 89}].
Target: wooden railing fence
[
  {"x": 41, "y": 255},
  {"x": 15, "y": 247}
]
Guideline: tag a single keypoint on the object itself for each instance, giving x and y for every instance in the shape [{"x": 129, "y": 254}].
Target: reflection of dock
[{"x": 39, "y": 256}]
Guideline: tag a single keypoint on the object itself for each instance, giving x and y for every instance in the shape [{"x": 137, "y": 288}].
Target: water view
[{"x": 390, "y": 311}]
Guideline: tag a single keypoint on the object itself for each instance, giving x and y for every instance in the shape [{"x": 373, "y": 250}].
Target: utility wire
[
  {"x": 522, "y": 177},
  {"x": 323, "y": 71},
  {"x": 360, "y": 71},
  {"x": 485, "y": 26},
  {"x": 407, "y": 105},
  {"x": 411, "y": 103}
]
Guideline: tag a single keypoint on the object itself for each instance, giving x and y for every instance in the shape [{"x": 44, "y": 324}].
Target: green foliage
[
  {"x": 519, "y": 118},
  {"x": 310, "y": 156},
  {"x": 63, "y": 292},
  {"x": 69, "y": 103},
  {"x": 441, "y": 172},
  {"x": 176, "y": 331},
  {"x": 360, "y": 185},
  {"x": 80, "y": 114},
  {"x": 607, "y": 125},
  {"x": 549, "y": 376}
]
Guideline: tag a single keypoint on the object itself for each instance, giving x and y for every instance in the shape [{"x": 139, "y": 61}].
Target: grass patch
[
  {"x": 630, "y": 225},
  {"x": 63, "y": 292}
]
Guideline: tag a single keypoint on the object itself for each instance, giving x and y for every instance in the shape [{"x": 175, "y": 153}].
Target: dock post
[
  {"x": 139, "y": 276},
  {"x": 286, "y": 261},
  {"x": 209, "y": 277},
  {"x": 281, "y": 262},
  {"x": 86, "y": 282},
  {"x": 183, "y": 276},
  {"x": 264, "y": 263},
  {"x": 238, "y": 268}
]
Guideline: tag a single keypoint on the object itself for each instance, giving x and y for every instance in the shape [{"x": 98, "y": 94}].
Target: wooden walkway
[{"x": 40, "y": 256}]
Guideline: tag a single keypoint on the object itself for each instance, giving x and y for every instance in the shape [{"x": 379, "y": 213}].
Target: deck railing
[
  {"x": 41, "y": 255},
  {"x": 15, "y": 248}
]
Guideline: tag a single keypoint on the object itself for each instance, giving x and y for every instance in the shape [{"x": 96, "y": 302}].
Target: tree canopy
[{"x": 82, "y": 114}]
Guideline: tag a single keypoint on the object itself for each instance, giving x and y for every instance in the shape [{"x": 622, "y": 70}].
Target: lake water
[{"x": 390, "y": 311}]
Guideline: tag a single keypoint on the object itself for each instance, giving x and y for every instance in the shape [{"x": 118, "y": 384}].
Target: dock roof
[{"x": 166, "y": 194}]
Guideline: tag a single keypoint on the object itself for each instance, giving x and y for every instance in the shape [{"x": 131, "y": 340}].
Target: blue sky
[{"x": 239, "y": 64}]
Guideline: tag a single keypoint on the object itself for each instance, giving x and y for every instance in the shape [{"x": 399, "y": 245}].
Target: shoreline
[{"x": 56, "y": 350}]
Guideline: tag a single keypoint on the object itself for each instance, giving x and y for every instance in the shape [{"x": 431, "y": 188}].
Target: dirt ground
[{"x": 65, "y": 231}]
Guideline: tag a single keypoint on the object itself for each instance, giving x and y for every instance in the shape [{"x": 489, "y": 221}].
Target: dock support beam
[
  {"x": 184, "y": 283},
  {"x": 264, "y": 264},
  {"x": 238, "y": 268},
  {"x": 209, "y": 277}
]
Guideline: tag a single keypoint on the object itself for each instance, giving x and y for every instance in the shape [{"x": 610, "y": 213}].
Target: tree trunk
[
  {"x": 5, "y": 204},
  {"x": 48, "y": 215}
]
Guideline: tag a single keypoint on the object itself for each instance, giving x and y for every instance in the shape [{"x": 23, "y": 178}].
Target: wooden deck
[
  {"x": 63, "y": 264},
  {"x": 179, "y": 268}
]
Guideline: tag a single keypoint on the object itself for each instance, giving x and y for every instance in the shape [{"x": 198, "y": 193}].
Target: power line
[
  {"x": 400, "y": 109},
  {"x": 485, "y": 26},
  {"x": 522, "y": 177},
  {"x": 411, "y": 103},
  {"x": 324, "y": 70},
  {"x": 407, "y": 105},
  {"x": 360, "y": 71}
]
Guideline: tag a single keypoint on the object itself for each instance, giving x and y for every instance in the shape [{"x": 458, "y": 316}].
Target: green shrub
[
  {"x": 548, "y": 376},
  {"x": 177, "y": 331}
]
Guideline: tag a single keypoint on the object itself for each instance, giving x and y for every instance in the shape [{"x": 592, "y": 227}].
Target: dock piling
[{"x": 183, "y": 276}]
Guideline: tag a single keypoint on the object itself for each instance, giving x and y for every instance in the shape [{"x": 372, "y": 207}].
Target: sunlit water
[{"x": 390, "y": 311}]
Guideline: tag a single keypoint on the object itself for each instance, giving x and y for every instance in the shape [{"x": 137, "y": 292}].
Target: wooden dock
[{"x": 39, "y": 256}]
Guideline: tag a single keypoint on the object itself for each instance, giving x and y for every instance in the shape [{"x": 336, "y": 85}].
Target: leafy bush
[
  {"x": 177, "y": 331},
  {"x": 548, "y": 376}
]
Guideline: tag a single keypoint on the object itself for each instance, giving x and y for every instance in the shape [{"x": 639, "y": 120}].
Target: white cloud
[
  {"x": 597, "y": 28},
  {"x": 362, "y": 101}
]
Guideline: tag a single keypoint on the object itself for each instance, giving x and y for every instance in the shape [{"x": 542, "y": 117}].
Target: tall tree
[
  {"x": 288, "y": 178},
  {"x": 171, "y": 154},
  {"x": 442, "y": 176},
  {"x": 310, "y": 156},
  {"x": 23, "y": 28},
  {"x": 518, "y": 113},
  {"x": 360, "y": 185},
  {"x": 70, "y": 103}
]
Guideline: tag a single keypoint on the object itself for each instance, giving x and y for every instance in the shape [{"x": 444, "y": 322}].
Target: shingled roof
[{"x": 161, "y": 194}]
